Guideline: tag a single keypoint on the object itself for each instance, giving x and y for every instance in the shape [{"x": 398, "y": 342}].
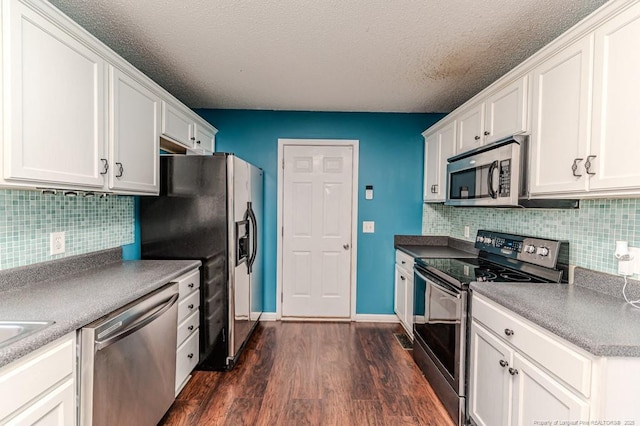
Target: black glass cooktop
[{"x": 469, "y": 270}]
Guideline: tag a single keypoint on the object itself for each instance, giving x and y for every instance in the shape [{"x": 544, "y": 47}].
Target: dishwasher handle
[{"x": 136, "y": 325}]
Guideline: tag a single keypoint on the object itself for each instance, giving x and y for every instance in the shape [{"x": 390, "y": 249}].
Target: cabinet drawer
[
  {"x": 187, "y": 358},
  {"x": 549, "y": 351},
  {"x": 188, "y": 305},
  {"x": 404, "y": 261},
  {"x": 30, "y": 376},
  {"x": 188, "y": 326},
  {"x": 188, "y": 283}
]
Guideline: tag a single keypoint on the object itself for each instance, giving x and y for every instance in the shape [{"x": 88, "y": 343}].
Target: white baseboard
[
  {"x": 390, "y": 318},
  {"x": 268, "y": 316},
  {"x": 377, "y": 318}
]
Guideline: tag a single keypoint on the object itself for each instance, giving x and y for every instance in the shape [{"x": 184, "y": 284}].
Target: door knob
[{"x": 346, "y": 246}]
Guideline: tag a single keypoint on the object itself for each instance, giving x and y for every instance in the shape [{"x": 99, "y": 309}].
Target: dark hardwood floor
[{"x": 294, "y": 373}]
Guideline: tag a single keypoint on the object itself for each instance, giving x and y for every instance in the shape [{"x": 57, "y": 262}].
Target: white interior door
[{"x": 317, "y": 225}]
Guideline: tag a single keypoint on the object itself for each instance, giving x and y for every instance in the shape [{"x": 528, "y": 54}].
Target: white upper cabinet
[
  {"x": 470, "y": 128},
  {"x": 75, "y": 115},
  {"x": 499, "y": 114},
  {"x": 438, "y": 146},
  {"x": 54, "y": 103},
  {"x": 615, "y": 141},
  {"x": 559, "y": 135},
  {"x": 205, "y": 137},
  {"x": 177, "y": 124},
  {"x": 506, "y": 111},
  {"x": 134, "y": 113}
]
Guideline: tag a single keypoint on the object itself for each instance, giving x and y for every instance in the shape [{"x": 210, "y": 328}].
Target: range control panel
[{"x": 527, "y": 249}]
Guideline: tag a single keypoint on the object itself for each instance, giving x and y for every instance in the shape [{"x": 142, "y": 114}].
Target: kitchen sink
[{"x": 11, "y": 331}]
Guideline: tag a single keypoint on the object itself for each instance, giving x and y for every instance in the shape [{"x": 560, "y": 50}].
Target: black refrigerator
[{"x": 210, "y": 209}]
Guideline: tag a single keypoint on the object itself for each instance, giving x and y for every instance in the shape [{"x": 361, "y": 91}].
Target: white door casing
[{"x": 317, "y": 211}]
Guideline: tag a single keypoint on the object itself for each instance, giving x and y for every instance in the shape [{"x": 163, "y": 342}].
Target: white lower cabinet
[
  {"x": 521, "y": 374},
  {"x": 403, "y": 301},
  {"x": 188, "y": 338},
  {"x": 537, "y": 396},
  {"x": 40, "y": 388}
]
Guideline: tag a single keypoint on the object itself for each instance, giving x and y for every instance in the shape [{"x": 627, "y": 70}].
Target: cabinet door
[
  {"x": 615, "y": 143},
  {"x": 408, "y": 311},
  {"x": 177, "y": 125},
  {"x": 507, "y": 111},
  {"x": 54, "y": 119},
  {"x": 399, "y": 304},
  {"x": 537, "y": 396},
  {"x": 489, "y": 380},
  {"x": 470, "y": 128},
  {"x": 135, "y": 135},
  {"x": 55, "y": 408},
  {"x": 559, "y": 132},
  {"x": 205, "y": 138},
  {"x": 431, "y": 167}
]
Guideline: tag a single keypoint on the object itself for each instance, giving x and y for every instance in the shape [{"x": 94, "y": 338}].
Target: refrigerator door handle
[{"x": 254, "y": 236}]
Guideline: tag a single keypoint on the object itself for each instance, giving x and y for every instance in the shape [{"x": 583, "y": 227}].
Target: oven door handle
[{"x": 439, "y": 287}]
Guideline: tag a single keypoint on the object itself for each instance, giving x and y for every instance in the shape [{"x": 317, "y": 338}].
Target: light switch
[
  {"x": 368, "y": 192},
  {"x": 368, "y": 227}
]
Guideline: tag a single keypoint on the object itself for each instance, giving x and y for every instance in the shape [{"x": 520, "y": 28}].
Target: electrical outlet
[
  {"x": 56, "y": 243},
  {"x": 466, "y": 232},
  {"x": 368, "y": 227}
]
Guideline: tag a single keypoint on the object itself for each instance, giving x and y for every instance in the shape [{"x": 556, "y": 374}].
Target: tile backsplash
[
  {"x": 591, "y": 230},
  {"x": 90, "y": 224}
]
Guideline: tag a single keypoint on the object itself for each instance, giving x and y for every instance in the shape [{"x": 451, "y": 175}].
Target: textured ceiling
[{"x": 326, "y": 55}]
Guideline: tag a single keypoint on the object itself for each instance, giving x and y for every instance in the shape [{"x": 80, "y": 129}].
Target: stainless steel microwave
[
  {"x": 495, "y": 175},
  {"x": 488, "y": 176}
]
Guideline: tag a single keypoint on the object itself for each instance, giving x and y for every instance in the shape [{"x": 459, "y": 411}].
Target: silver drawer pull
[
  {"x": 513, "y": 371},
  {"x": 503, "y": 363},
  {"x": 508, "y": 332}
]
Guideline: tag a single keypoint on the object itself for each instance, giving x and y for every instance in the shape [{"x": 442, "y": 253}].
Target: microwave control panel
[{"x": 505, "y": 178}]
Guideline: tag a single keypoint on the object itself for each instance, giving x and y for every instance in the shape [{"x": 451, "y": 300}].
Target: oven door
[
  {"x": 440, "y": 316},
  {"x": 486, "y": 178}
]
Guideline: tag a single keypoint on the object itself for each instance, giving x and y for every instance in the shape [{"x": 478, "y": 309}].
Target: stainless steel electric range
[{"x": 441, "y": 303}]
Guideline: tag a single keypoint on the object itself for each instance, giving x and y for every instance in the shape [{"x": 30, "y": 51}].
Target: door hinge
[
  {"x": 282, "y": 297},
  {"x": 282, "y": 231}
]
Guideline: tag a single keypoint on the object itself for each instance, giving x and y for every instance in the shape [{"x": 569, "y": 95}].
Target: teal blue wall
[{"x": 391, "y": 157}]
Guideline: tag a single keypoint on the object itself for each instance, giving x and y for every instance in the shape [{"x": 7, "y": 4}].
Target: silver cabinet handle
[
  {"x": 346, "y": 246},
  {"x": 403, "y": 262},
  {"x": 513, "y": 371},
  {"x": 193, "y": 138},
  {"x": 477, "y": 138},
  {"x": 190, "y": 328},
  {"x": 120, "y": 170},
  {"x": 587, "y": 164},
  {"x": 487, "y": 133},
  {"x": 503, "y": 363},
  {"x": 198, "y": 142},
  {"x": 191, "y": 285},
  {"x": 402, "y": 278},
  {"x": 105, "y": 164},
  {"x": 435, "y": 188},
  {"x": 190, "y": 356},
  {"x": 508, "y": 332},
  {"x": 190, "y": 306},
  {"x": 574, "y": 167}
]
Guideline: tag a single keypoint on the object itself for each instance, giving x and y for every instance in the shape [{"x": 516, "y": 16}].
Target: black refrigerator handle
[{"x": 254, "y": 236}]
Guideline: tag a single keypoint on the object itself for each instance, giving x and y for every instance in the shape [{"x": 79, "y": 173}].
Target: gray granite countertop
[
  {"x": 77, "y": 299},
  {"x": 435, "y": 252},
  {"x": 601, "y": 324}
]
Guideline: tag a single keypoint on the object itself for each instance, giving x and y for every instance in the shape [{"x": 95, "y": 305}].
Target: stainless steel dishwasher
[{"x": 128, "y": 362}]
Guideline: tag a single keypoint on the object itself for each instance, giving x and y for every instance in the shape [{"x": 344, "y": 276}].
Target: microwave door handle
[{"x": 492, "y": 192}]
